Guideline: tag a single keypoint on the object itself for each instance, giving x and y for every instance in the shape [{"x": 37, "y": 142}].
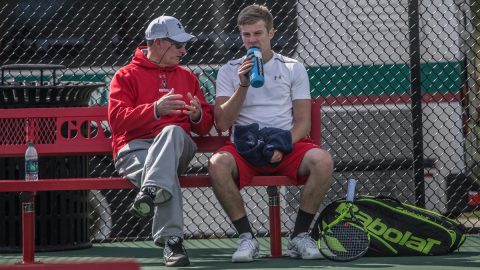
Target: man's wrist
[
  {"x": 199, "y": 119},
  {"x": 244, "y": 86},
  {"x": 155, "y": 112}
]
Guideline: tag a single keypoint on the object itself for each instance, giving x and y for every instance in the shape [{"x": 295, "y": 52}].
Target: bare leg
[
  {"x": 318, "y": 165},
  {"x": 223, "y": 170}
]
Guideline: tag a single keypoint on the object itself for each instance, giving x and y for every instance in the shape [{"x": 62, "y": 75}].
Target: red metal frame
[
  {"x": 13, "y": 144},
  {"x": 387, "y": 99},
  {"x": 275, "y": 220},
  {"x": 190, "y": 181},
  {"x": 474, "y": 198},
  {"x": 72, "y": 118},
  {"x": 28, "y": 229}
]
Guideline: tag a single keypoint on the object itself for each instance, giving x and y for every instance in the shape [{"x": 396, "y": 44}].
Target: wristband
[{"x": 243, "y": 85}]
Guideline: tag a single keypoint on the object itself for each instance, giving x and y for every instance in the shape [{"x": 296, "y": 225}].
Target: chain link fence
[{"x": 397, "y": 83}]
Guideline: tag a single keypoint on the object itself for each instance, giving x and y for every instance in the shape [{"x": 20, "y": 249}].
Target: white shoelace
[
  {"x": 307, "y": 242},
  {"x": 245, "y": 244}
]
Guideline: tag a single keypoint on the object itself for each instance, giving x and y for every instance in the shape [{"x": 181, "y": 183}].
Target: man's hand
[
  {"x": 276, "y": 157},
  {"x": 170, "y": 103},
  {"x": 194, "y": 110},
  {"x": 243, "y": 71}
]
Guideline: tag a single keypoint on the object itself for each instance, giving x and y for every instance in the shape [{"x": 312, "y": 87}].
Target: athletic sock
[
  {"x": 242, "y": 225},
  {"x": 302, "y": 223}
]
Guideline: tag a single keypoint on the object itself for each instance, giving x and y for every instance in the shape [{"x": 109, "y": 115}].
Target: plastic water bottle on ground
[{"x": 31, "y": 163}]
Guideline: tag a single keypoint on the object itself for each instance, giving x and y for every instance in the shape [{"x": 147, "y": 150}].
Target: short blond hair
[{"x": 254, "y": 13}]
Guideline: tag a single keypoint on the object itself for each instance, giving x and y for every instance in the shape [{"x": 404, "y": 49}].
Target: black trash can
[{"x": 62, "y": 217}]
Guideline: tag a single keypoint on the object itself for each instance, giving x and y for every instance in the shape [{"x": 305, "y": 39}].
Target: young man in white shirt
[{"x": 282, "y": 102}]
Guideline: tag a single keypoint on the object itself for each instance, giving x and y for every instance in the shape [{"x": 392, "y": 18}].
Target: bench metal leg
[
  {"x": 28, "y": 227},
  {"x": 28, "y": 246},
  {"x": 274, "y": 216}
]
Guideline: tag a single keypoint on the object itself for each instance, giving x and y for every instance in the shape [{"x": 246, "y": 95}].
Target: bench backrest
[{"x": 83, "y": 131}]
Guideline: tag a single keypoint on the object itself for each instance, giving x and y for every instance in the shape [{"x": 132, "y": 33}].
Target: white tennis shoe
[
  {"x": 303, "y": 246},
  {"x": 247, "y": 249}
]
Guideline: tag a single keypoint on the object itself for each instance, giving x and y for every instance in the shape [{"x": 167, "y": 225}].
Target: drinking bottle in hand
[
  {"x": 256, "y": 73},
  {"x": 31, "y": 163}
]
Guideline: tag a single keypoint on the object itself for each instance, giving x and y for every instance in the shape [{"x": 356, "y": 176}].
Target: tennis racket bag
[{"x": 399, "y": 229}]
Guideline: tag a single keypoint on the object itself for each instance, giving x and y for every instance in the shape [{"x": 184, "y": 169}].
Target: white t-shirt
[{"x": 270, "y": 105}]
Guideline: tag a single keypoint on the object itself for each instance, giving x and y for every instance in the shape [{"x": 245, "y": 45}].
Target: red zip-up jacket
[{"x": 133, "y": 92}]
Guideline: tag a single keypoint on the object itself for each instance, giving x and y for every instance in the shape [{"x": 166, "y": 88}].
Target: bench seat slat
[
  {"x": 208, "y": 144},
  {"x": 121, "y": 183}
]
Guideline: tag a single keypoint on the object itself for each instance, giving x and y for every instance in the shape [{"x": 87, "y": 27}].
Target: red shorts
[{"x": 288, "y": 166}]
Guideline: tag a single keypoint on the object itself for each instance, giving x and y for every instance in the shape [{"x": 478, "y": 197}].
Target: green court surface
[{"x": 216, "y": 254}]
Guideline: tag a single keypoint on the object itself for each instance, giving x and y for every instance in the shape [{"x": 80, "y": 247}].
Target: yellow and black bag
[{"x": 399, "y": 229}]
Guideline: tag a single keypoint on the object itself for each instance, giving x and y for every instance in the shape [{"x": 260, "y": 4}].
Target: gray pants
[{"x": 159, "y": 162}]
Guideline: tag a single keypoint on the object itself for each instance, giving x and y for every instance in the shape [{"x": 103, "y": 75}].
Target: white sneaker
[
  {"x": 247, "y": 248},
  {"x": 303, "y": 246}
]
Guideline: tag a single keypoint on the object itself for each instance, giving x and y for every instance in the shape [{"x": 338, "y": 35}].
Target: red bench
[{"x": 44, "y": 126}]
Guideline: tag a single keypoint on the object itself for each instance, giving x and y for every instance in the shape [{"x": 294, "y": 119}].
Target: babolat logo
[{"x": 375, "y": 226}]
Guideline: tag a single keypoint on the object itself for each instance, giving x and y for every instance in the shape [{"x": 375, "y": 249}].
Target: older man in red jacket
[{"x": 154, "y": 104}]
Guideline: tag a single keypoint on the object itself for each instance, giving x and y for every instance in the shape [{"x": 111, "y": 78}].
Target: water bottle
[
  {"x": 31, "y": 163},
  {"x": 256, "y": 73}
]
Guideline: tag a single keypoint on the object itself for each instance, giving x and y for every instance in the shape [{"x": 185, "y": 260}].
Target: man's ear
[{"x": 271, "y": 33}]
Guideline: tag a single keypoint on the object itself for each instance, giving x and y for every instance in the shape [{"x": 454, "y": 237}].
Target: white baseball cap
[{"x": 167, "y": 27}]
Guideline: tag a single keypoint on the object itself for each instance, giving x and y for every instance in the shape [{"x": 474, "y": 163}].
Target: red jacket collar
[{"x": 140, "y": 59}]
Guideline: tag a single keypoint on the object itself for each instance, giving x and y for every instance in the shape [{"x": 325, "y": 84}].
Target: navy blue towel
[{"x": 257, "y": 145}]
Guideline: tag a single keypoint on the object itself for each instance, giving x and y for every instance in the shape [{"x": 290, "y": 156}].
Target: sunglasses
[{"x": 177, "y": 44}]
